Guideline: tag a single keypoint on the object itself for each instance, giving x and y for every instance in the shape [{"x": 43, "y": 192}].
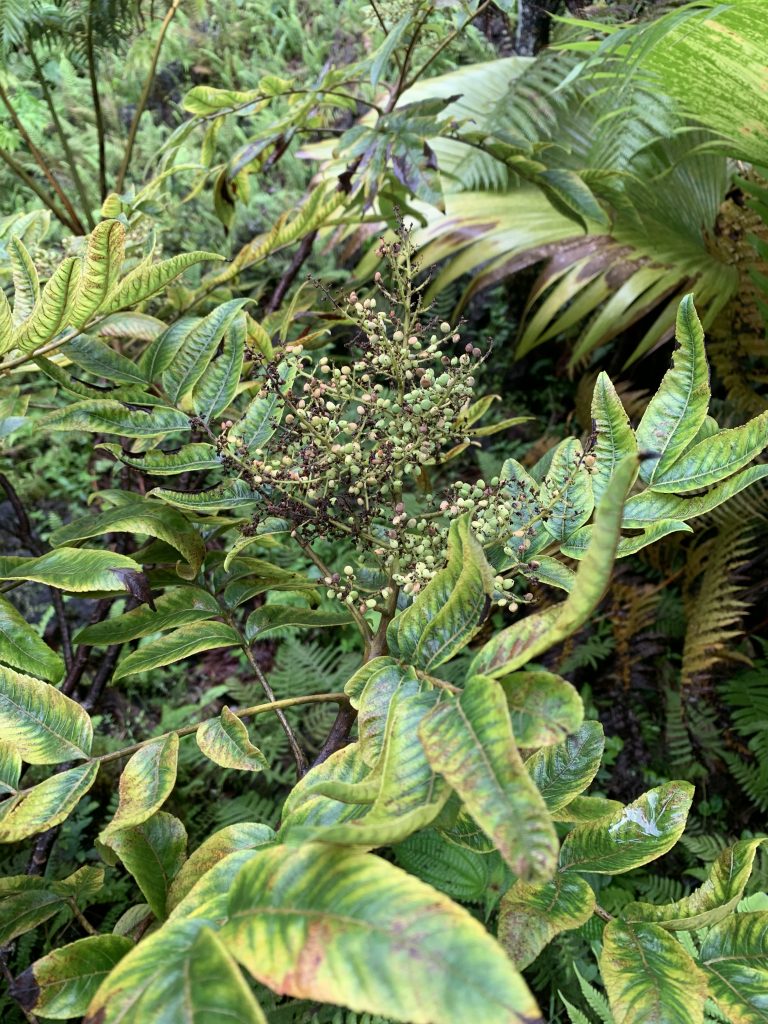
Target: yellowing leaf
[
  {"x": 532, "y": 915},
  {"x": 50, "y": 315},
  {"x": 21, "y": 646},
  {"x": 245, "y": 835},
  {"x": 76, "y": 569},
  {"x": 180, "y": 643},
  {"x": 145, "y": 784},
  {"x": 735, "y": 958},
  {"x": 544, "y": 707},
  {"x": 45, "y": 805},
  {"x": 225, "y": 741},
  {"x": 153, "y": 852},
  {"x": 148, "y": 278},
  {"x": 101, "y": 266},
  {"x": 41, "y": 723}
]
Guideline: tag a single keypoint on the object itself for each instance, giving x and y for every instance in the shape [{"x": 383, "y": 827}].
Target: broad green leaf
[
  {"x": 77, "y": 570},
  {"x": 176, "y": 607},
  {"x": 678, "y": 409},
  {"x": 544, "y": 707},
  {"x": 530, "y": 916},
  {"x": 177, "y": 645},
  {"x": 82, "y": 884},
  {"x": 99, "y": 359},
  {"x": 154, "y": 852},
  {"x": 577, "y": 545},
  {"x": 267, "y": 619},
  {"x": 470, "y": 742},
  {"x": 25, "y": 902},
  {"x": 158, "y": 356},
  {"x": 218, "y": 385},
  {"x": 10, "y": 769},
  {"x": 302, "y": 921},
  {"x": 145, "y": 784},
  {"x": 583, "y": 809},
  {"x": 555, "y": 573},
  {"x": 230, "y": 496},
  {"x": 40, "y": 722},
  {"x": 648, "y": 507},
  {"x": 258, "y": 423},
  {"x": 735, "y": 958},
  {"x": 387, "y": 680},
  {"x": 715, "y": 458},
  {"x": 45, "y": 805},
  {"x": 22, "y": 647},
  {"x": 100, "y": 268},
  {"x": 640, "y": 833},
  {"x": 198, "y": 349},
  {"x": 451, "y": 609},
  {"x": 307, "y": 807},
  {"x": 520, "y": 487},
  {"x": 188, "y": 459},
  {"x": 615, "y": 438},
  {"x": 649, "y": 977},
  {"x": 225, "y": 741},
  {"x": 566, "y": 491},
  {"x": 245, "y": 835},
  {"x": 50, "y": 315},
  {"x": 712, "y": 901},
  {"x": 150, "y": 518},
  {"x": 110, "y": 417},
  {"x": 527, "y": 638},
  {"x": 149, "y": 278},
  {"x": 61, "y": 984},
  {"x": 26, "y": 285},
  {"x": 563, "y": 771}
]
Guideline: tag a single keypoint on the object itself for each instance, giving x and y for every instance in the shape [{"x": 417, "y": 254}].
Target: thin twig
[
  {"x": 147, "y": 88},
  {"x": 603, "y": 913},
  {"x": 359, "y": 618},
  {"x": 446, "y": 42},
  {"x": 102, "y": 677},
  {"x": 96, "y": 100},
  {"x": 300, "y": 257},
  {"x": 298, "y": 754},
  {"x": 79, "y": 916},
  {"x": 42, "y": 851}
]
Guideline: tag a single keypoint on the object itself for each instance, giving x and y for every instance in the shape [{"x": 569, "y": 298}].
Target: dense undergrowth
[{"x": 382, "y": 629}]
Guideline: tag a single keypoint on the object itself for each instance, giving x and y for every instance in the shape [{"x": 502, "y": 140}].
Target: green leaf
[
  {"x": 60, "y": 985},
  {"x": 336, "y": 909},
  {"x": 6, "y": 323},
  {"x": 715, "y": 458},
  {"x": 158, "y": 356},
  {"x": 198, "y": 349},
  {"x": 566, "y": 491},
  {"x": 26, "y": 285},
  {"x": 735, "y": 958},
  {"x": 153, "y": 851},
  {"x": 145, "y": 784},
  {"x": 50, "y": 315},
  {"x": 245, "y": 835},
  {"x": 21, "y": 646},
  {"x": 563, "y": 771},
  {"x": 10, "y": 769},
  {"x": 149, "y": 278},
  {"x": 45, "y": 805},
  {"x": 577, "y": 544},
  {"x": 650, "y": 506},
  {"x": 99, "y": 359},
  {"x": 385, "y": 681},
  {"x": 25, "y": 902},
  {"x": 259, "y": 421},
  {"x": 225, "y": 741},
  {"x": 583, "y": 809},
  {"x": 230, "y": 496},
  {"x": 218, "y": 385},
  {"x": 101, "y": 266},
  {"x": 110, "y": 417},
  {"x": 76, "y": 570},
  {"x": 678, "y": 409},
  {"x": 176, "y": 607},
  {"x": 640, "y": 833},
  {"x": 649, "y": 977},
  {"x": 271, "y": 617},
  {"x": 544, "y": 707},
  {"x": 151, "y": 518},
  {"x": 41, "y": 723},
  {"x": 190, "y": 458},
  {"x": 204, "y": 100},
  {"x": 177, "y": 645},
  {"x": 470, "y": 742},
  {"x": 712, "y": 901},
  {"x": 451, "y": 609},
  {"x": 527, "y": 638},
  {"x": 615, "y": 438},
  {"x": 532, "y": 915}
]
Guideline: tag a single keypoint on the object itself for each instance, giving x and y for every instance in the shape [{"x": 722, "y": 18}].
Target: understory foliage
[{"x": 383, "y": 643}]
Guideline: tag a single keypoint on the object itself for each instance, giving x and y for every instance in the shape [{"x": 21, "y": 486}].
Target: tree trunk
[{"x": 533, "y": 24}]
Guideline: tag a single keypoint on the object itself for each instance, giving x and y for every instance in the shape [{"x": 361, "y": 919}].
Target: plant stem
[
  {"x": 39, "y": 191},
  {"x": 42, "y": 163},
  {"x": 285, "y": 282},
  {"x": 445, "y": 42},
  {"x": 603, "y": 913},
  {"x": 70, "y": 157},
  {"x": 96, "y": 100},
  {"x": 81, "y": 918},
  {"x": 147, "y": 88}
]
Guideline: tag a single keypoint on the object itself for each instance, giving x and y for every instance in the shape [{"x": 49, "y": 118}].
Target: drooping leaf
[
  {"x": 245, "y": 835},
  {"x": 45, "y": 805},
  {"x": 451, "y": 609},
  {"x": 178, "y": 606},
  {"x": 225, "y": 741},
  {"x": 179, "y": 644},
  {"x": 40, "y": 722},
  {"x": 50, "y": 315},
  {"x": 188, "y": 459},
  {"x": 101, "y": 266},
  {"x": 470, "y": 742},
  {"x": 149, "y": 278},
  {"x": 678, "y": 409},
  {"x": 60, "y": 985},
  {"x": 21, "y": 646},
  {"x": 234, "y": 495},
  {"x": 641, "y": 832},
  {"x": 734, "y": 956},
  {"x": 544, "y": 707},
  {"x": 615, "y": 438},
  {"x": 10, "y": 768},
  {"x": 649, "y": 977},
  {"x": 290, "y": 908},
  {"x": 110, "y": 417},
  {"x": 145, "y": 784},
  {"x": 563, "y": 771},
  {"x": 77, "y": 570},
  {"x": 101, "y": 360},
  {"x": 532, "y": 915},
  {"x": 154, "y": 852},
  {"x": 648, "y": 507},
  {"x": 271, "y": 617},
  {"x": 578, "y": 543}
]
